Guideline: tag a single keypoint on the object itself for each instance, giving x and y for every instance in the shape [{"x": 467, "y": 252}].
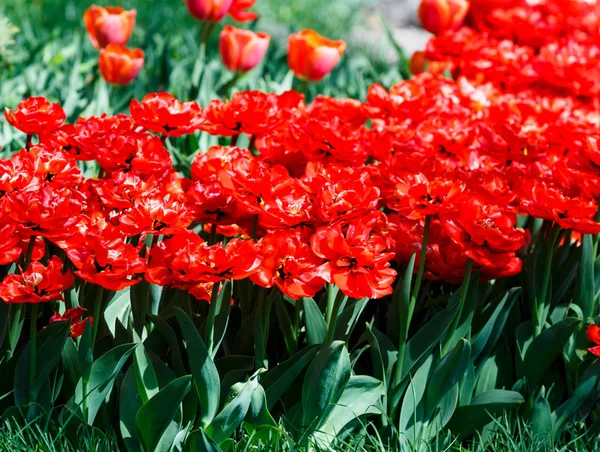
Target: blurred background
[{"x": 44, "y": 49}]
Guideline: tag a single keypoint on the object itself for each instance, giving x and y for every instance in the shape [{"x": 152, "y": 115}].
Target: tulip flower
[
  {"x": 418, "y": 64},
  {"x": 208, "y": 10},
  {"x": 440, "y": 16},
  {"x": 241, "y": 50},
  {"x": 110, "y": 25},
  {"x": 75, "y": 316},
  {"x": 312, "y": 56},
  {"x": 593, "y": 334},
  {"x": 120, "y": 65}
]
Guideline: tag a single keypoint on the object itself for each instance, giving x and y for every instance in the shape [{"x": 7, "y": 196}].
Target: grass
[{"x": 502, "y": 436}]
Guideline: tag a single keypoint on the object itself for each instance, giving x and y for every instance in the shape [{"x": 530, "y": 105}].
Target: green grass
[{"x": 502, "y": 436}]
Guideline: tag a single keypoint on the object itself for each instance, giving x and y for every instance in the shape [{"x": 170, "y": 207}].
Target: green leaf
[
  {"x": 348, "y": 319},
  {"x": 585, "y": 293},
  {"x": 281, "y": 377},
  {"x": 362, "y": 395},
  {"x": 397, "y": 326},
  {"x": 316, "y": 328},
  {"x": 324, "y": 383},
  {"x": 486, "y": 339},
  {"x": 219, "y": 311},
  {"x": 258, "y": 413},
  {"x": 581, "y": 394},
  {"x": 425, "y": 339},
  {"x": 546, "y": 347},
  {"x": 232, "y": 415},
  {"x": 156, "y": 415},
  {"x": 286, "y": 325},
  {"x": 383, "y": 354},
  {"x": 118, "y": 310},
  {"x": 198, "y": 441},
  {"x": 447, "y": 374},
  {"x": 204, "y": 372},
  {"x": 541, "y": 418},
  {"x": 145, "y": 377},
  {"x": 102, "y": 378},
  {"x": 86, "y": 353},
  {"x": 261, "y": 329},
  {"x": 412, "y": 413},
  {"x": 130, "y": 402},
  {"x": 169, "y": 336},
  {"x": 483, "y": 409}
]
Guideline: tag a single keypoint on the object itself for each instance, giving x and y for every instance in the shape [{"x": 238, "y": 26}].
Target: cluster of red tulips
[
  {"x": 335, "y": 191},
  {"x": 310, "y": 55}
]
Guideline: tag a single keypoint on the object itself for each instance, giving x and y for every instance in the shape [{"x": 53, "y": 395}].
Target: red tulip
[
  {"x": 120, "y": 65},
  {"x": 209, "y": 10},
  {"x": 241, "y": 50},
  {"x": 311, "y": 56},
  {"x": 110, "y": 25},
  {"x": 75, "y": 316},
  {"x": 439, "y": 16},
  {"x": 593, "y": 334}
]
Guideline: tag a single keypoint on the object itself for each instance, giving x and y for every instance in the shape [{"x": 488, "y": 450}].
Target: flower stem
[
  {"x": 540, "y": 303},
  {"x": 210, "y": 321},
  {"x": 335, "y": 310},
  {"x": 417, "y": 287},
  {"x": 97, "y": 312},
  {"x": 212, "y": 238}
]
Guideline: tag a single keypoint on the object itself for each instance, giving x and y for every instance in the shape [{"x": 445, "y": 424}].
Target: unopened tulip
[
  {"x": 110, "y": 25},
  {"x": 311, "y": 56},
  {"x": 208, "y": 10},
  {"x": 241, "y": 50},
  {"x": 440, "y": 16},
  {"x": 120, "y": 65}
]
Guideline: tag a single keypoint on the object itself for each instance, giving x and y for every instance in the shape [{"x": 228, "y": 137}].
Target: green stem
[
  {"x": 212, "y": 239},
  {"x": 33, "y": 350},
  {"x": 234, "y": 140},
  {"x": 464, "y": 289},
  {"x": 97, "y": 313},
  {"x": 210, "y": 321},
  {"x": 15, "y": 328},
  {"x": 422, "y": 259},
  {"x": 335, "y": 310},
  {"x": 29, "y": 254},
  {"x": 332, "y": 292},
  {"x": 540, "y": 303}
]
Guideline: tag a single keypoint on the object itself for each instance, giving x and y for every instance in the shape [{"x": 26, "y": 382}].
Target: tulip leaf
[
  {"x": 544, "y": 349},
  {"x": 348, "y": 319},
  {"x": 325, "y": 381},
  {"x": 483, "y": 408},
  {"x": 204, "y": 371},
  {"x": 234, "y": 412},
  {"x": 155, "y": 417},
  {"x": 198, "y": 441},
  {"x": 102, "y": 378},
  {"x": 145, "y": 377},
  {"x": 130, "y": 402},
  {"x": 316, "y": 328},
  {"x": 585, "y": 293},
  {"x": 447, "y": 374},
  {"x": 281, "y": 377}
]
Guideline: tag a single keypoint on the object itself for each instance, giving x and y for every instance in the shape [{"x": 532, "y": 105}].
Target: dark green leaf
[
  {"x": 316, "y": 328},
  {"x": 324, "y": 383},
  {"x": 198, "y": 441},
  {"x": 546, "y": 347},
  {"x": 156, "y": 415},
  {"x": 204, "y": 372},
  {"x": 280, "y": 378}
]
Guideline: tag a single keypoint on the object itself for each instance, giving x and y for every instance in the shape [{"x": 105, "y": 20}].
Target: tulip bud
[
  {"x": 120, "y": 65},
  {"x": 440, "y": 16},
  {"x": 418, "y": 63},
  {"x": 241, "y": 50},
  {"x": 110, "y": 25},
  {"x": 311, "y": 56},
  {"x": 209, "y": 10}
]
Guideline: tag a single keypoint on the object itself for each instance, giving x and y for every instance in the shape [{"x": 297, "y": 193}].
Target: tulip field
[{"x": 227, "y": 226}]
